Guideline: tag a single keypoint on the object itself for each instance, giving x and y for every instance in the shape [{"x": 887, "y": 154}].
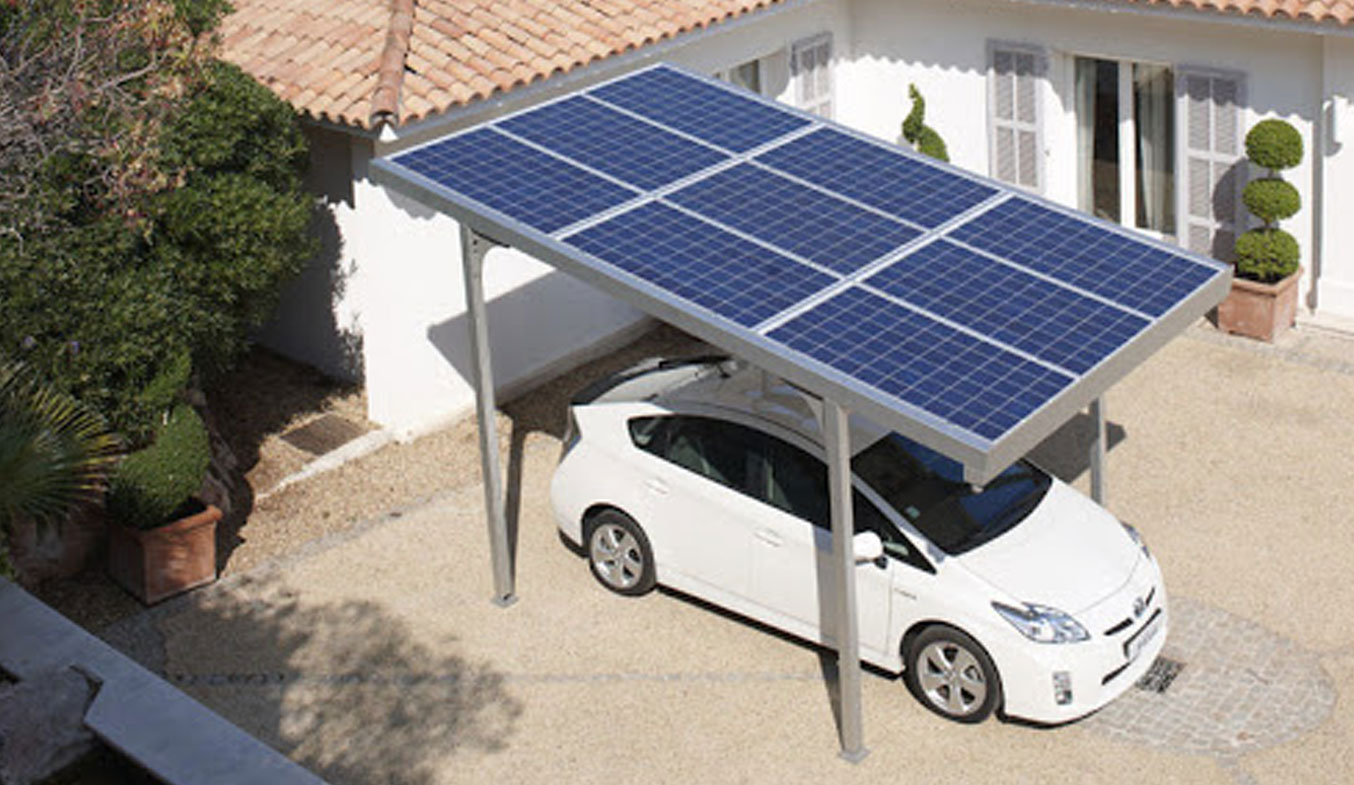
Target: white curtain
[
  {"x": 1085, "y": 109},
  {"x": 1153, "y": 104}
]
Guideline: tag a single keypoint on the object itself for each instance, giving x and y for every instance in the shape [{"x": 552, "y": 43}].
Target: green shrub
[
  {"x": 1266, "y": 255},
  {"x": 154, "y": 485},
  {"x": 1271, "y": 199},
  {"x": 1274, "y": 144},
  {"x": 923, "y": 138}
]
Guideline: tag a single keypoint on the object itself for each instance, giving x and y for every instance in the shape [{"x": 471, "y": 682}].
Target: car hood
[{"x": 1068, "y": 553}]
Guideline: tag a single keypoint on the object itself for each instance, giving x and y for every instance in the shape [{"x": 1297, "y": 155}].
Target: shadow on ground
[
  {"x": 342, "y": 688},
  {"x": 1066, "y": 454}
]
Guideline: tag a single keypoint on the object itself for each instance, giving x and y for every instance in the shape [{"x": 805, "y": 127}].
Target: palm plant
[{"x": 56, "y": 455}]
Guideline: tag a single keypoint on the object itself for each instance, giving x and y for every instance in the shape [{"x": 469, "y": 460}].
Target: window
[
  {"x": 747, "y": 76},
  {"x": 811, "y": 71},
  {"x": 1126, "y": 142},
  {"x": 1015, "y": 141}
]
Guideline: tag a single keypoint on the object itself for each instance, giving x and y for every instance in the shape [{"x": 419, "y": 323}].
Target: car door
[
  {"x": 793, "y": 573},
  {"x": 697, "y": 502}
]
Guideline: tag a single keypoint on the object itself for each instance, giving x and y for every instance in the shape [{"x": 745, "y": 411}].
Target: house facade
[{"x": 1134, "y": 111}]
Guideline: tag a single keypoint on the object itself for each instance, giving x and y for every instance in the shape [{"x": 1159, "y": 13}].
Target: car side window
[{"x": 717, "y": 450}]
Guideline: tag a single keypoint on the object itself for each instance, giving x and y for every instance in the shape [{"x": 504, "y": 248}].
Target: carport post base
[
  {"x": 1098, "y": 451},
  {"x": 473, "y": 249},
  {"x": 837, "y": 432}
]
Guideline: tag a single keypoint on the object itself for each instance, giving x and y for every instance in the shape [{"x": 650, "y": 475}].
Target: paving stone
[{"x": 1243, "y": 687}]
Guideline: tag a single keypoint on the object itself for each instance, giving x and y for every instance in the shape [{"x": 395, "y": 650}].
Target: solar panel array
[{"x": 922, "y": 285}]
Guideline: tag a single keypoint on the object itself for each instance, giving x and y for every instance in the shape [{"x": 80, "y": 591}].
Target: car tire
[
  {"x": 619, "y": 555},
  {"x": 952, "y": 675}
]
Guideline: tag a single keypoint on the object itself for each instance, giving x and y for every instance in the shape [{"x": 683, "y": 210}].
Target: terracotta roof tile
[{"x": 363, "y": 62}]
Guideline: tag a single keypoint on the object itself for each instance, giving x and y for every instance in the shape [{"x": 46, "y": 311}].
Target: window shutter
[
  {"x": 1215, "y": 169},
  {"x": 811, "y": 70},
  {"x": 1015, "y": 146}
]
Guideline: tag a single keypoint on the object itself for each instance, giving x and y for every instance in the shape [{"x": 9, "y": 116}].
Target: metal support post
[
  {"x": 1098, "y": 445},
  {"x": 473, "y": 249},
  {"x": 836, "y": 431}
]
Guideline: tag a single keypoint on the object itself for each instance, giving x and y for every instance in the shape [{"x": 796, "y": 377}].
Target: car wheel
[
  {"x": 952, "y": 675},
  {"x": 619, "y": 553}
]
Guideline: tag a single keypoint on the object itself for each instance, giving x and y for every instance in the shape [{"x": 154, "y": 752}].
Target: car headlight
[
  {"x": 1136, "y": 537},
  {"x": 1043, "y": 624}
]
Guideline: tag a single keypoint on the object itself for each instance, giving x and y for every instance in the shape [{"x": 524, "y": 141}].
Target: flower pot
[
  {"x": 1260, "y": 310},
  {"x": 156, "y": 564}
]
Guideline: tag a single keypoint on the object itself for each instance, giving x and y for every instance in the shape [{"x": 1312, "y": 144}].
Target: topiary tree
[
  {"x": 153, "y": 485},
  {"x": 1269, "y": 254},
  {"x": 923, "y": 138}
]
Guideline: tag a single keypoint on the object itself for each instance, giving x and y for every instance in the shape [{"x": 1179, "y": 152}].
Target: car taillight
[{"x": 571, "y": 435}]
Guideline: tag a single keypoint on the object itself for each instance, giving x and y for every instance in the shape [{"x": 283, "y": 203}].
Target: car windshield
[{"x": 928, "y": 490}]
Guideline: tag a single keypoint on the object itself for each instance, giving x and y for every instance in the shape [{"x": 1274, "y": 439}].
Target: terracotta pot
[
  {"x": 156, "y": 564},
  {"x": 1260, "y": 310}
]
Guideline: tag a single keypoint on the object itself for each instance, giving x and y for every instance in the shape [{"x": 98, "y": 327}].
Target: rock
[{"x": 42, "y": 726}]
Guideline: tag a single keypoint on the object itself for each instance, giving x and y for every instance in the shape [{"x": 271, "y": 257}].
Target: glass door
[{"x": 1126, "y": 143}]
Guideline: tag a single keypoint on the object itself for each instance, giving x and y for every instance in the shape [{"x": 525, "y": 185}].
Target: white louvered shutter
[
  {"x": 1214, "y": 172},
  {"x": 1014, "y": 117}
]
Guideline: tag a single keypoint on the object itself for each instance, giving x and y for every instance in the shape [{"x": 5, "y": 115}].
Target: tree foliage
[{"x": 150, "y": 199}]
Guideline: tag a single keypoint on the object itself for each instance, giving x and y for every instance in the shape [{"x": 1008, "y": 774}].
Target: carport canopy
[{"x": 964, "y": 313}]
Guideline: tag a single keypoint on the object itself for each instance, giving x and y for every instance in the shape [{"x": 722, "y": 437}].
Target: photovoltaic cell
[
  {"x": 1021, "y": 310},
  {"x": 1074, "y": 249},
  {"x": 512, "y": 178},
  {"x": 965, "y": 381},
  {"x": 701, "y": 264},
  {"x": 712, "y": 114},
  {"x": 827, "y": 230},
  {"x": 882, "y": 178},
  {"x": 606, "y": 140}
]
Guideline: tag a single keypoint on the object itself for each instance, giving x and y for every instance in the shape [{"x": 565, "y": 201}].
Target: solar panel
[
  {"x": 1026, "y": 312},
  {"x": 776, "y": 234},
  {"x": 1074, "y": 249},
  {"x": 898, "y": 184},
  {"x": 726, "y": 275},
  {"x": 921, "y": 361},
  {"x": 512, "y": 178},
  {"x": 709, "y": 112},
  {"x": 626, "y": 148},
  {"x": 795, "y": 217}
]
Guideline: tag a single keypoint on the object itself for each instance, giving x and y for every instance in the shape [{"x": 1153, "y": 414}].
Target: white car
[{"x": 706, "y": 476}]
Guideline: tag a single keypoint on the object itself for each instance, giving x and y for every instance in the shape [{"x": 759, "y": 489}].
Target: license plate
[{"x": 1134, "y": 646}]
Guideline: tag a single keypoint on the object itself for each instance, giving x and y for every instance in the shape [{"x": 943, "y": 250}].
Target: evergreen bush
[
  {"x": 1274, "y": 144},
  {"x": 153, "y": 486},
  {"x": 1270, "y": 254},
  {"x": 923, "y": 138},
  {"x": 1267, "y": 255}
]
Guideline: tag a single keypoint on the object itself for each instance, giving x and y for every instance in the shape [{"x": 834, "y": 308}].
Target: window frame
[{"x": 1039, "y": 74}]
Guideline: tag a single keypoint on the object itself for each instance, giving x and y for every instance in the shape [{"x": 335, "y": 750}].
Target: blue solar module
[
  {"x": 631, "y": 150},
  {"x": 1050, "y": 322},
  {"x": 707, "y": 112},
  {"x": 512, "y": 178},
  {"x": 702, "y": 264},
  {"x": 1074, "y": 249},
  {"x": 963, "y": 380},
  {"x": 880, "y": 177},
  {"x": 827, "y": 230}
]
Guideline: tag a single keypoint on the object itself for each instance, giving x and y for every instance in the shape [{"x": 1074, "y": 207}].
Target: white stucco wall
[{"x": 942, "y": 47}]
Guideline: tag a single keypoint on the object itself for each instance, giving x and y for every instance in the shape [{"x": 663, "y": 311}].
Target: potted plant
[
  {"x": 56, "y": 455},
  {"x": 1264, "y": 298},
  {"x": 161, "y": 538}
]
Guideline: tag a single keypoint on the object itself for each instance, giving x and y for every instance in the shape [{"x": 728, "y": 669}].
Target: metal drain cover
[{"x": 1158, "y": 678}]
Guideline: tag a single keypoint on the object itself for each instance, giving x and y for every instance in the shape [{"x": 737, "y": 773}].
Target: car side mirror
[{"x": 867, "y": 547}]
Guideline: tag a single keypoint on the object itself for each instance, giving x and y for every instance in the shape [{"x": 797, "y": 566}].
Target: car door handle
[
  {"x": 657, "y": 486},
  {"x": 769, "y": 537}
]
